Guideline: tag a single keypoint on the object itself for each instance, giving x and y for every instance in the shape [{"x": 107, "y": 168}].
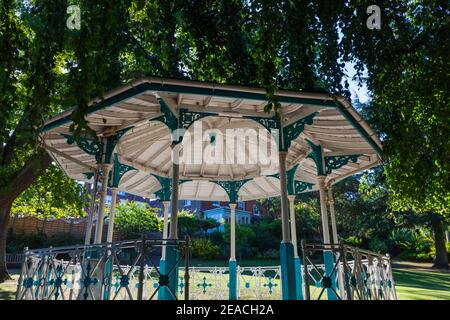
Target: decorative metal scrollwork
[
  {"x": 90, "y": 146},
  {"x": 292, "y": 131},
  {"x": 118, "y": 172},
  {"x": 232, "y": 188},
  {"x": 165, "y": 192},
  {"x": 316, "y": 155},
  {"x": 336, "y": 162},
  {"x": 187, "y": 118},
  {"x": 301, "y": 186},
  {"x": 168, "y": 118},
  {"x": 268, "y": 123}
]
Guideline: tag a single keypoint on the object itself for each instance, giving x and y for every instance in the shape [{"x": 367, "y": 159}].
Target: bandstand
[{"x": 185, "y": 140}]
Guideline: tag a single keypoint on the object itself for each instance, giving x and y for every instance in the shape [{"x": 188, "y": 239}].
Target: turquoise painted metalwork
[
  {"x": 166, "y": 278},
  {"x": 58, "y": 281},
  {"x": 270, "y": 285},
  {"x": 298, "y": 278},
  {"x": 232, "y": 188},
  {"x": 165, "y": 192},
  {"x": 204, "y": 285},
  {"x": 232, "y": 285},
  {"x": 288, "y": 281},
  {"x": 292, "y": 131},
  {"x": 88, "y": 175},
  {"x": 118, "y": 172},
  {"x": 94, "y": 147},
  {"x": 111, "y": 143},
  {"x": 290, "y": 176},
  {"x": 301, "y": 186},
  {"x": 336, "y": 162},
  {"x": 167, "y": 117},
  {"x": 329, "y": 278},
  {"x": 268, "y": 123},
  {"x": 316, "y": 155},
  {"x": 88, "y": 281},
  {"x": 187, "y": 118}
]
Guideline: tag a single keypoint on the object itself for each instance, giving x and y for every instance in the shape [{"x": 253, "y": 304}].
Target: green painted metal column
[
  {"x": 169, "y": 272},
  {"x": 106, "y": 168},
  {"x": 232, "y": 284},
  {"x": 297, "y": 261},
  {"x": 328, "y": 257},
  {"x": 288, "y": 282}
]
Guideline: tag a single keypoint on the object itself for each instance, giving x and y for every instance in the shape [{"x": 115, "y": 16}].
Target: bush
[
  {"x": 353, "y": 241},
  {"x": 413, "y": 244},
  {"x": 204, "y": 249},
  {"x": 16, "y": 242},
  {"x": 133, "y": 219}
]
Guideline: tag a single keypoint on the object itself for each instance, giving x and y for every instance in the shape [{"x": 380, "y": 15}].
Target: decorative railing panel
[
  {"x": 113, "y": 271},
  {"x": 353, "y": 274}
]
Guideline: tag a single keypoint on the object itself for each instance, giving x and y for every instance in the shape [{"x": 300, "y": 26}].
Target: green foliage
[
  {"x": 413, "y": 244},
  {"x": 134, "y": 219},
  {"x": 204, "y": 249},
  {"x": 52, "y": 195},
  {"x": 16, "y": 242},
  {"x": 407, "y": 73},
  {"x": 190, "y": 225},
  {"x": 245, "y": 240}
]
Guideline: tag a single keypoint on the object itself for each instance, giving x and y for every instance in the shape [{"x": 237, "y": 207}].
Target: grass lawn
[{"x": 414, "y": 281}]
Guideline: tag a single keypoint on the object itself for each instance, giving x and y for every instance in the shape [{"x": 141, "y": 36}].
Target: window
[
  {"x": 187, "y": 203},
  {"x": 216, "y": 203},
  {"x": 241, "y": 205},
  {"x": 121, "y": 193},
  {"x": 255, "y": 210}
]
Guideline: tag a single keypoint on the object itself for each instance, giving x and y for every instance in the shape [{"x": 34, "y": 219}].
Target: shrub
[
  {"x": 204, "y": 249},
  {"x": 353, "y": 241},
  {"x": 133, "y": 219},
  {"x": 16, "y": 242}
]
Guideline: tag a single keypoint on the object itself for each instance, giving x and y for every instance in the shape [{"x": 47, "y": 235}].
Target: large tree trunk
[
  {"x": 5, "y": 208},
  {"x": 22, "y": 180},
  {"x": 441, "y": 259}
]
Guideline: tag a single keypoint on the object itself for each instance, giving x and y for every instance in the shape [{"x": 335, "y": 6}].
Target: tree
[
  {"x": 134, "y": 219},
  {"x": 53, "y": 194},
  {"x": 190, "y": 225},
  {"x": 408, "y": 75}
]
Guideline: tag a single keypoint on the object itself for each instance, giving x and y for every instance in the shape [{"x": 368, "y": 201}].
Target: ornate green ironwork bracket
[
  {"x": 165, "y": 193},
  {"x": 268, "y": 123},
  {"x": 90, "y": 146},
  {"x": 187, "y": 118},
  {"x": 118, "y": 172},
  {"x": 111, "y": 143},
  {"x": 290, "y": 176},
  {"x": 167, "y": 117},
  {"x": 301, "y": 186},
  {"x": 232, "y": 188},
  {"x": 336, "y": 162},
  {"x": 95, "y": 147},
  {"x": 292, "y": 131},
  {"x": 316, "y": 155}
]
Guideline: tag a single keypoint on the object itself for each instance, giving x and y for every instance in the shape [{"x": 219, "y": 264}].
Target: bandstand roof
[{"x": 143, "y": 112}]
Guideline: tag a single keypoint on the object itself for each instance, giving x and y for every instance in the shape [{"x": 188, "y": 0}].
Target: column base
[
  {"x": 171, "y": 279},
  {"x": 298, "y": 278},
  {"x": 288, "y": 282},
  {"x": 328, "y": 259},
  {"x": 232, "y": 284}
]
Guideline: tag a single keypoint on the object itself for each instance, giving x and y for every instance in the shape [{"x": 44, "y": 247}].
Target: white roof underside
[{"x": 147, "y": 146}]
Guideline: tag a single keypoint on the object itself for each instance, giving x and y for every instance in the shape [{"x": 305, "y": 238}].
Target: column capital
[
  {"x": 321, "y": 181},
  {"x": 166, "y": 204},
  {"x": 232, "y": 205},
  {"x": 114, "y": 189},
  {"x": 106, "y": 166},
  {"x": 291, "y": 197}
]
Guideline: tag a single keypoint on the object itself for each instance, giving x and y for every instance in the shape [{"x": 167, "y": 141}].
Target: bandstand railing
[
  {"x": 128, "y": 271},
  {"x": 109, "y": 271},
  {"x": 353, "y": 273}
]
